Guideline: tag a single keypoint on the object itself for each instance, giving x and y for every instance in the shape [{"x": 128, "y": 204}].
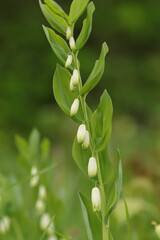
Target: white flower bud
[
  {"x": 86, "y": 141},
  {"x": 52, "y": 238},
  {"x": 75, "y": 77},
  {"x": 44, "y": 221},
  {"x": 4, "y": 224},
  {"x": 96, "y": 199},
  {"x": 81, "y": 133},
  {"x": 74, "y": 107},
  {"x": 157, "y": 229},
  {"x": 42, "y": 192},
  {"x": 72, "y": 87},
  {"x": 34, "y": 170},
  {"x": 35, "y": 179},
  {"x": 40, "y": 206},
  {"x": 68, "y": 32},
  {"x": 68, "y": 61},
  {"x": 72, "y": 43},
  {"x": 92, "y": 167}
]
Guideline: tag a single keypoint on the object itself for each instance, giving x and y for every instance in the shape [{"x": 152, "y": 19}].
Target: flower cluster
[
  {"x": 35, "y": 179},
  {"x": 83, "y": 136}
]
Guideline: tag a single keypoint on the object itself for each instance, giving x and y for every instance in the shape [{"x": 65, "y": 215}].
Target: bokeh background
[{"x": 132, "y": 78}]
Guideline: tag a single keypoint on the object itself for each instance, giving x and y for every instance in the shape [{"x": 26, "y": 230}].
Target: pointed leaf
[
  {"x": 56, "y": 21},
  {"x": 110, "y": 236},
  {"x": 113, "y": 188},
  {"x": 45, "y": 148},
  {"x": 105, "y": 165},
  {"x": 101, "y": 122},
  {"x": 87, "y": 27},
  {"x": 81, "y": 156},
  {"x": 91, "y": 219},
  {"x": 96, "y": 73},
  {"x": 56, "y": 8},
  {"x": 76, "y": 10},
  {"x": 58, "y": 44},
  {"x": 63, "y": 95},
  {"x": 22, "y": 146},
  {"x": 34, "y": 141}
]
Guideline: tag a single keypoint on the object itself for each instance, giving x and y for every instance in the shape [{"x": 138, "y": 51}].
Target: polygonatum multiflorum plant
[{"x": 90, "y": 150}]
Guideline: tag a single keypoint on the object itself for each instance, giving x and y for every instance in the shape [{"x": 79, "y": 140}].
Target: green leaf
[
  {"x": 128, "y": 218},
  {"x": 91, "y": 219},
  {"x": 101, "y": 123},
  {"x": 76, "y": 10},
  {"x": 81, "y": 157},
  {"x": 45, "y": 148},
  {"x": 87, "y": 27},
  {"x": 96, "y": 73},
  {"x": 105, "y": 165},
  {"x": 110, "y": 236},
  {"x": 63, "y": 95},
  {"x": 22, "y": 147},
  {"x": 113, "y": 188},
  {"x": 34, "y": 141},
  {"x": 56, "y": 21},
  {"x": 56, "y": 8},
  {"x": 58, "y": 44}
]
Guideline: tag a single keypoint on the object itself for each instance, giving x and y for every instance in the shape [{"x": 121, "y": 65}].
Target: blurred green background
[{"x": 132, "y": 78}]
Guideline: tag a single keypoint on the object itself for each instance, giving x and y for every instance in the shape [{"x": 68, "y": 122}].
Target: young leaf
[
  {"x": 128, "y": 218},
  {"x": 110, "y": 236},
  {"x": 58, "y": 45},
  {"x": 87, "y": 27},
  {"x": 63, "y": 95},
  {"x": 56, "y": 8},
  {"x": 56, "y": 21},
  {"x": 34, "y": 141},
  {"x": 96, "y": 73},
  {"x": 113, "y": 188},
  {"x": 45, "y": 148},
  {"x": 91, "y": 219},
  {"x": 101, "y": 123},
  {"x": 105, "y": 165},
  {"x": 76, "y": 10},
  {"x": 22, "y": 146},
  {"x": 80, "y": 156}
]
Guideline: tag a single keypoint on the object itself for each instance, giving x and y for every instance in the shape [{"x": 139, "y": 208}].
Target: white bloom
[
  {"x": 44, "y": 221},
  {"x": 68, "y": 61},
  {"x": 96, "y": 199},
  {"x": 74, "y": 107},
  {"x": 72, "y": 87},
  {"x": 42, "y": 192},
  {"x": 72, "y": 43},
  {"x": 34, "y": 170},
  {"x": 40, "y": 206},
  {"x": 34, "y": 179},
  {"x": 68, "y": 32},
  {"x": 157, "y": 229},
  {"x": 4, "y": 224},
  {"x": 86, "y": 141},
  {"x": 81, "y": 133},
  {"x": 75, "y": 77},
  {"x": 92, "y": 167},
  {"x": 52, "y": 238}
]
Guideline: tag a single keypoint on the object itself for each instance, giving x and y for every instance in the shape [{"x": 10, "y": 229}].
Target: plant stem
[{"x": 94, "y": 153}]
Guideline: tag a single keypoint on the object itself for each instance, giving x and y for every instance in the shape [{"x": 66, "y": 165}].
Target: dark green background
[{"x": 132, "y": 78}]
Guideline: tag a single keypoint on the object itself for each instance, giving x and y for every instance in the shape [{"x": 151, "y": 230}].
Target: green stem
[{"x": 94, "y": 153}]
